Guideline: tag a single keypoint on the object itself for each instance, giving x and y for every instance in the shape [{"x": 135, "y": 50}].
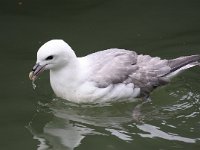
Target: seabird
[{"x": 108, "y": 75}]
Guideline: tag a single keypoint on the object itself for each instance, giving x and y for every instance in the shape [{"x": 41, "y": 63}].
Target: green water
[{"x": 36, "y": 119}]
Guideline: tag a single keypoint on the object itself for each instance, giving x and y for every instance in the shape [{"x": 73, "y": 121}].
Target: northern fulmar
[{"x": 108, "y": 75}]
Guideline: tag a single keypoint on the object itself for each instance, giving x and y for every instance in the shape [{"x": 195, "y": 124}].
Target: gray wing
[
  {"x": 112, "y": 66},
  {"x": 115, "y": 66},
  {"x": 150, "y": 73},
  {"x": 122, "y": 66}
]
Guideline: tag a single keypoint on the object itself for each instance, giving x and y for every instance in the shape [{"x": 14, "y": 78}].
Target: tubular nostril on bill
[{"x": 35, "y": 67}]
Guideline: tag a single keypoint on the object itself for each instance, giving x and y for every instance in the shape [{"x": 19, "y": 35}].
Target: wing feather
[{"x": 115, "y": 66}]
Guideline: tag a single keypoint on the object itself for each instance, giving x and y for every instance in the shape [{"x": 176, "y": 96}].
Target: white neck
[{"x": 62, "y": 79}]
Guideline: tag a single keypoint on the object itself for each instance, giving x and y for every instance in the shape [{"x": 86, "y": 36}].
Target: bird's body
[
  {"x": 109, "y": 75},
  {"x": 87, "y": 88}
]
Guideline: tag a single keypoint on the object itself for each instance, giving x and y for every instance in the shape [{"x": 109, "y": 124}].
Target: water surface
[{"x": 36, "y": 119}]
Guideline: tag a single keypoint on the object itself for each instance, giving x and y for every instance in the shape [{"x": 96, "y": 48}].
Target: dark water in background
[{"x": 36, "y": 119}]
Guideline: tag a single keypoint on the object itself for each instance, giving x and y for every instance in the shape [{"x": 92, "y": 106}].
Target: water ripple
[{"x": 153, "y": 132}]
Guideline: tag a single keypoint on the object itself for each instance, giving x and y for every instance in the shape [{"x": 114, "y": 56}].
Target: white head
[{"x": 53, "y": 55}]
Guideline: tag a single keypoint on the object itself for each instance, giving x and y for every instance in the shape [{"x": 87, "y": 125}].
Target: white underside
[
  {"x": 75, "y": 87},
  {"x": 88, "y": 92}
]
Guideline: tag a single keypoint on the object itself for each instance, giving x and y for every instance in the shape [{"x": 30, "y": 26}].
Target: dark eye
[{"x": 49, "y": 57}]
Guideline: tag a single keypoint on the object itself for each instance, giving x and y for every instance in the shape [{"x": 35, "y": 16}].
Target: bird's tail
[{"x": 182, "y": 63}]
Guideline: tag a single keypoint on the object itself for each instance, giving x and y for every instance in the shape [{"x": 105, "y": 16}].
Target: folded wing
[{"x": 116, "y": 66}]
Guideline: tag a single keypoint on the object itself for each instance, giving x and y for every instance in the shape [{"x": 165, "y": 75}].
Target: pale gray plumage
[
  {"x": 112, "y": 66},
  {"x": 115, "y": 66}
]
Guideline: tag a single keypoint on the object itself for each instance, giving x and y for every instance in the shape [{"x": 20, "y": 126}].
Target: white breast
[{"x": 88, "y": 92}]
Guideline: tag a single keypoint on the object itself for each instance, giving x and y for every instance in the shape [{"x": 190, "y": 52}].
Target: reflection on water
[
  {"x": 67, "y": 124},
  {"x": 72, "y": 122},
  {"x": 153, "y": 131}
]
